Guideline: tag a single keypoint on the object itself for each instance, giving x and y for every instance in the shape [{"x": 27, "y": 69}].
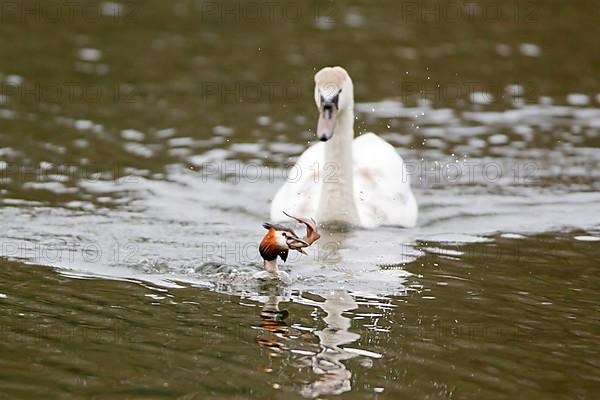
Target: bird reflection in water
[
  {"x": 332, "y": 375},
  {"x": 326, "y": 361},
  {"x": 272, "y": 322}
]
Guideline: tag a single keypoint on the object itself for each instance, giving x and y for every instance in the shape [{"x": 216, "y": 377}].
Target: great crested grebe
[
  {"x": 280, "y": 239},
  {"x": 361, "y": 182}
]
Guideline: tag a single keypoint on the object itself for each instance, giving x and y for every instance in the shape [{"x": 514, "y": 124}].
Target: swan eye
[{"x": 336, "y": 99}]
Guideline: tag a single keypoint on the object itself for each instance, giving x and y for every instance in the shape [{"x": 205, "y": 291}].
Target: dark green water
[
  {"x": 503, "y": 320},
  {"x": 130, "y": 210}
]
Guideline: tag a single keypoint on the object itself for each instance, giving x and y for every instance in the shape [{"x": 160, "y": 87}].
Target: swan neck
[{"x": 337, "y": 197}]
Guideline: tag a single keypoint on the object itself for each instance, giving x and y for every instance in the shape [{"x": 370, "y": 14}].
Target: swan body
[{"x": 359, "y": 181}]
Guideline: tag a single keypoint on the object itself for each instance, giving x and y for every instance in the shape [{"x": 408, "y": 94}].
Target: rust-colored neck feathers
[{"x": 269, "y": 247}]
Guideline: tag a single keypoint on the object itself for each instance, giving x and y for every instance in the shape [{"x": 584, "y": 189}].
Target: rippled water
[
  {"x": 139, "y": 154},
  {"x": 478, "y": 320}
]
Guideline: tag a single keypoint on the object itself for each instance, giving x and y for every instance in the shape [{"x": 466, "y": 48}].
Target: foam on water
[
  {"x": 202, "y": 226},
  {"x": 205, "y": 231}
]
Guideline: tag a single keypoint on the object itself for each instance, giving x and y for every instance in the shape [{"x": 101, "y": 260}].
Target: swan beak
[{"x": 327, "y": 118}]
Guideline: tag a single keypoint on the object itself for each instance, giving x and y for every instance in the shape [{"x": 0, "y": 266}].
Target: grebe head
[
  {"x": 278, "y": 241},
  {"x": 333, "y": 95}
]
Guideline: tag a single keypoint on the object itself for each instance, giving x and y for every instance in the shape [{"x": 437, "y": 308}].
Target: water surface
[{"x": 139, "y": 154}]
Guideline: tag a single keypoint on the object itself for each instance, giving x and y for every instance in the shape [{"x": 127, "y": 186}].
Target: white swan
[{"x": 362, "y": 181}]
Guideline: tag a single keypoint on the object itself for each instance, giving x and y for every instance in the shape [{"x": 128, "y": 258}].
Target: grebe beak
[
  {"x": 295, "y": 243},
  {"x": 278, "y": 241}
]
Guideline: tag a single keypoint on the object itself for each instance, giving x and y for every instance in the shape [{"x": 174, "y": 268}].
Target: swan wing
[
  {"x": 300, "y": 193},
  {"x": 381, "y": 184}
]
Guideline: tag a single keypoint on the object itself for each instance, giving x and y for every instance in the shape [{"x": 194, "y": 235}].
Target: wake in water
[
  {"x": 204, "y": 228},
  {"x": 150, "y": 240}
]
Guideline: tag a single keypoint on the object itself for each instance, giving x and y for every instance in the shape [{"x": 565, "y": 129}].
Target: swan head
[
  {"x": 278, "y": 241},
  {"x": 333, "y": 95}
]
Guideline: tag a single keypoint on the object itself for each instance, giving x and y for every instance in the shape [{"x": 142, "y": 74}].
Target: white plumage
[{"x": 360, "y": 181}]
